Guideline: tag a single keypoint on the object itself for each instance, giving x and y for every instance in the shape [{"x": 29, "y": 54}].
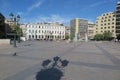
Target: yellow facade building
[{"x": 106, "y": 22}]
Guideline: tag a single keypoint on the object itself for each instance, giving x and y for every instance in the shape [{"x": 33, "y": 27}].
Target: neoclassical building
[{"x": 45, "y": 31}]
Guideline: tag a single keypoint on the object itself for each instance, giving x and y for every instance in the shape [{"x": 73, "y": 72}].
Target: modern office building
[
  {"x": 78, "y": 28},
  {"x": 91, "y": 29},
  {"x": 45, "y": 31},
  {"x": 106, "y": 22},
  {"x": 118, "y": 18}
]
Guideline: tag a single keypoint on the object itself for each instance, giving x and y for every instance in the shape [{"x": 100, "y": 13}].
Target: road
[{"x": 88, "y": 60}]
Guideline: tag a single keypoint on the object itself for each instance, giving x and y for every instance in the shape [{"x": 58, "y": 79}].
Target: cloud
[
  {"x": 35, "y": 5},
  {"x": 54, "y": 18},
  {"x": 51, "y": 18}
]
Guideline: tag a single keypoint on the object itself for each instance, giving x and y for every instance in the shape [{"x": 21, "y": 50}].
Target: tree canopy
[
  {"x": 107, "y": 35},
  {"x": 98, "y": 37},
  {"x": 17, "y": 30}
]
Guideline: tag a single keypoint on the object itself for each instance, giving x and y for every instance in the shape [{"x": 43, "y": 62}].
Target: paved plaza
[{"x": 88, "y": 60}]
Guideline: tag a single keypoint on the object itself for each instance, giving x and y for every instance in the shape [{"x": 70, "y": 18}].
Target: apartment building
[
  {"x": 45, "y": 31},
  {"x": 106, "y": 22},
  {"x": 78, "y": 28},
  {"x": 91, "y": 29},
  {"x": 118, "y": 18}
]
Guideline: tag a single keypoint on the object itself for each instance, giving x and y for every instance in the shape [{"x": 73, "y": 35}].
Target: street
[{"x": 88, "y": 60}]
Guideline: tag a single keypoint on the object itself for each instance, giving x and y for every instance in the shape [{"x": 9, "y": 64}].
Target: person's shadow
[{"x": 52, "y": 70}]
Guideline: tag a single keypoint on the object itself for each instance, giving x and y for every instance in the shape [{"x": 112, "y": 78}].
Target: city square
[
  {"x": 87, "y": 60},
  {"x": 60, "y": 40}
]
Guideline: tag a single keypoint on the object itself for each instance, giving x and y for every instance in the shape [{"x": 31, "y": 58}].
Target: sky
[{"x": 56, "y": 10}]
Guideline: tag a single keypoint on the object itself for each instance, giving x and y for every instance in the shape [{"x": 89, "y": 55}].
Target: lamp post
[
  {"x": 15, "y": 20},
  {"x": 14, "y": 42}
]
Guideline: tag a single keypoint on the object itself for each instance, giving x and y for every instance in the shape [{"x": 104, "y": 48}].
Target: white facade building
[{"x": 45, "y": 31}]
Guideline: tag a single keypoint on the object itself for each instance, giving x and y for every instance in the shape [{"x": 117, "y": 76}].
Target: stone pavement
[{"x": 88, "y": 61}]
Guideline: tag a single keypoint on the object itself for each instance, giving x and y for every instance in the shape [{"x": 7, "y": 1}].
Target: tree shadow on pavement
[{"x": 52, "y": 69}]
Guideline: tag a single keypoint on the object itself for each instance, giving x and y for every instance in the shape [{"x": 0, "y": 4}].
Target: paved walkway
[{"x": 88, "y": 61}]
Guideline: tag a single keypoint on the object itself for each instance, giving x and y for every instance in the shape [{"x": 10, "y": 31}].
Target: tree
[
  {"x": 62, "y": 24},
  {"x": 107, "y": 36},
  {"x": 118, "y": 37},
  {"x": 98, "y": 37},
  {"x": 66, "y": 36},
  {"x": 17, "y": 30}
]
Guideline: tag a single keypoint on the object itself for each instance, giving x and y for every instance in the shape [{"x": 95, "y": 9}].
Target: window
[
  {"x": 29, "y": 36},
  {"x": 109, "y": 27},
  {"x": 108, "y": 23},
  {"x": 32, "y": 36},
  {"x": 32, "y": 31},
  {"x": 112, "y": 26},
  {"x": 104, "y": 20},
  {"x": 104, "y": 27},
  {"x": 36, "y": 31},
  {"x": 101, "y": 27}
]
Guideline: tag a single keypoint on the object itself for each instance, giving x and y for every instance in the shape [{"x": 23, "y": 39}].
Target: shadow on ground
[{"x": 52, "y": 69}]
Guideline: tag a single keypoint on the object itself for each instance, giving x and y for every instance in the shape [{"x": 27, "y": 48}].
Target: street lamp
[
  {"x": 14, "y": 20},
  {"x": 14, "y": 42}
]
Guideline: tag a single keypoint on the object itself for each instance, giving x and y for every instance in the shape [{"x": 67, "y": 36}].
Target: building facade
[
  {"x": 106, "y": 22},
  {"x": 45, "y": 31},
  {"x": 91, "y": 29},
  {"x": 118, "y": 18},
  {"x": 2, "y": 26},
  {"x": 78, "y": 28}
]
